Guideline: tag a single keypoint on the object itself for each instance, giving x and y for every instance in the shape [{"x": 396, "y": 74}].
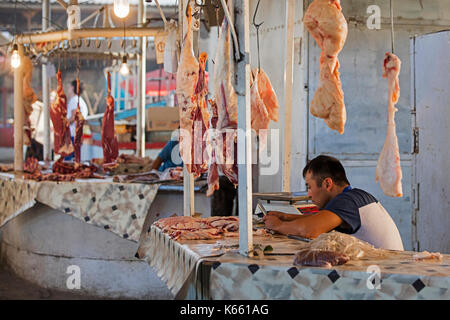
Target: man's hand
[
  {"x": 272, "y": 222},
  {"x": 278, "y": 214}
]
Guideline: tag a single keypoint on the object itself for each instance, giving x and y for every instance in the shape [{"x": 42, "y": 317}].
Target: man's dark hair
[
  {"x": 74, "y": 85},
  {"x": 323, "y": 167}
]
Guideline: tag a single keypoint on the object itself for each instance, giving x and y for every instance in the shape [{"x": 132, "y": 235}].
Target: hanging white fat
[{"x": 170, "y": 50}]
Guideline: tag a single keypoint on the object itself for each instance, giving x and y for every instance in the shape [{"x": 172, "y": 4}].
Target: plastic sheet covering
[
  {"x": 170, "y": 49},
  {"x": 319, "y": 258},
  {"x": 335, "y": 248}
]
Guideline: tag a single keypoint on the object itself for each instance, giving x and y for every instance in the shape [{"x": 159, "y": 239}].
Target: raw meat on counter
[
  {"x": 29, "y": 97},
  {"x": 326, "y": 23},
  {"x": 6, "y": 167},
  {"x": 152, "y": 176},
  {"x": 61, "y": 128},
  {"x": 62, "y": 171},
  {"x": 138, "y": 177},
  {"x": 109, "y": 140},
  {"x": 389, "y": 171},
  {"x": 190, "y": 228},
  {"x": 425, "y": 255},
  {"x": 131, "y": 158},
  {"x": 63, "y": 167}
]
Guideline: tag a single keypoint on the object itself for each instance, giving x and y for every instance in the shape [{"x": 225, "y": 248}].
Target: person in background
[
  {"x": 342, "y": 208},
  {"x": 169, "y": 156},
  {"x": 72, "y": 104},
  {"x": 222, "y": 200}
]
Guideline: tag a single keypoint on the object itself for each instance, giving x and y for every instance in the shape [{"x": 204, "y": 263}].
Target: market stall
[
  {"x": 214, "y": 269},
  {"x": 49, "y": 212},
  {"x": 163, "y": 230}
]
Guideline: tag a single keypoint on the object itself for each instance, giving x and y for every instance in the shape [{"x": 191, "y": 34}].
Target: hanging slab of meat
[
  {"x": 200, "y": 123},
  {"x": 264, "y": 104},
  {"x": 213, "y": 173},
  {"x": 326, "y": 23},
  {"x": 58, "y": 114},
  {"x": 29, "y": 97},
  {"x": 226, "y": 100},
  {"x": 109, "y": 140},
  {"x": 31, "y": 165},
  {"x": 187, "y": 77},
  {"x": 267, "y": 94},
  {"x": 259, "y": 114},
  {"x": 389, "y": 172},
  {"x": 79, "y": 123}
]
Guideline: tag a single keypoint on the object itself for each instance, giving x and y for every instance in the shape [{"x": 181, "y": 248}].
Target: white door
[{"x": 431, "y": 174}]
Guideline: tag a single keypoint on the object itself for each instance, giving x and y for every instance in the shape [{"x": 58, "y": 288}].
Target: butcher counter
[
  {"x": 95, "y": 224},
  {"x": 213, "y": 269}
]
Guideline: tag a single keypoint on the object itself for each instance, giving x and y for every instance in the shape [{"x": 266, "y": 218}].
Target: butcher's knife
[{"x": 299, "y": 238}]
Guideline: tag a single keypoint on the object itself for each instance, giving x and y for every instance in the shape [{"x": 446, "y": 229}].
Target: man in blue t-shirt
[
  {"x": 170, "y": 155},
  {"x": 342, "y": 208}
]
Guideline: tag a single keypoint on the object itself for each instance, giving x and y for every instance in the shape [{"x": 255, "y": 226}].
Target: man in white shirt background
[{"x": 72, "y": 104}]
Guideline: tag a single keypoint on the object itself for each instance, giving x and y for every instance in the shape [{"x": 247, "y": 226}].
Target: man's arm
[
  {"x": 285, "y": 216},
  {"x": 157, "y": 163},
  {"x": 310, "y": 226}
]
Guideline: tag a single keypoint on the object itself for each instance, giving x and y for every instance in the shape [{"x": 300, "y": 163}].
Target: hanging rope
[
  {"x": 257, "y": 33},
  {"x": 78, "y": 78},
  {"x": 392, "y": 26}
]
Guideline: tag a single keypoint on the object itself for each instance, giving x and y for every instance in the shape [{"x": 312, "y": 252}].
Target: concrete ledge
[
  {"x": 102, "y": 278},
  {"x": 40, "y": 244}
]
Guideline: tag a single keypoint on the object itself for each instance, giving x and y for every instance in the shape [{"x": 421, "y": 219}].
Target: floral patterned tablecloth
[
  {"x": 118, "y": 207},
  {"x": 212, "y": 269}
]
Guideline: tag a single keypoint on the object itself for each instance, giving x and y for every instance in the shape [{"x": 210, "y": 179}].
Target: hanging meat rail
[{"x": 61, "y": 35}]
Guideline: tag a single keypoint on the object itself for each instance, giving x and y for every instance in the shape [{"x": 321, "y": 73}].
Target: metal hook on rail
[{"x": 257, "y": 25}]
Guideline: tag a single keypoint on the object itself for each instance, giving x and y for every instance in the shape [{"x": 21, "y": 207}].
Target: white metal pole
[
  {"x": 18, "y": 115},
  {"x": 188, "y": 178},
  {"x": 140, "y": 118},
  {"x": 288, "y": 83},
  {"x": 46, "y": 87},
  {"x": 244, "y": 128}
]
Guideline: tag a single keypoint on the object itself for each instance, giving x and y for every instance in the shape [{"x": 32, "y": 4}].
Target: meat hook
[
  {"x": 233, "y": 31},
  {"x": 257, "y": 25},
  {"x": 392, "y": 26}
]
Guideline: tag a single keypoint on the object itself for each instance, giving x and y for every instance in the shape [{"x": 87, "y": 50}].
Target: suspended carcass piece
[
  {"x": 264, "y": 104},
  {"x": 187, "y": 77},
  {"x": 389, "y": 171},
  {"x": 29, "y": 97},
  {"x": 226, "y": 100},
  {"x": 61, "y": 128},
  {"x": 79, "y": 123},
  {"x": 326, "y": 23},
  {"x": 109, "y": 140},
  {"x": 213, "y": 172},
  {"x": 170, "y": 49},
  {"x": 201, "y": 121}
]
